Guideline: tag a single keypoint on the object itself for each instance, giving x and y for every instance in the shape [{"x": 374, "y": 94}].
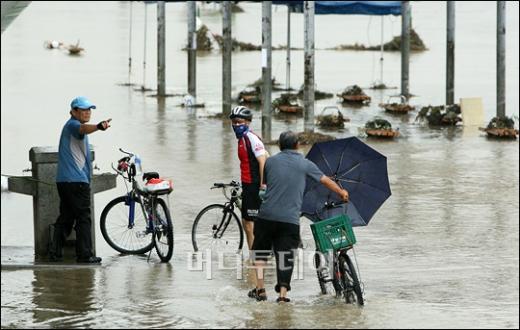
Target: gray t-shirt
[{"x": 285, "y": 175}]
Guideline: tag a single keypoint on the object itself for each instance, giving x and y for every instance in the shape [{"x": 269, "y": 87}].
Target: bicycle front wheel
[
  {"x": 163, "y": 231},
  {"x": 350, "y": 281},
  {"x": 122, "y": 235},
  {"x": 217, "y": 228}
]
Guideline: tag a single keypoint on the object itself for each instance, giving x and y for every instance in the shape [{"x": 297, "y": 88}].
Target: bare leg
[
  {"x": 259, "y": 265},
  {"x": 248, "y": 228},
  {"x": 283, "y": 292}
]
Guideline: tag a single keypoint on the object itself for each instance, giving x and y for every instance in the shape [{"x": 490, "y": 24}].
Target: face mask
[{"x": 240, "y": 130}]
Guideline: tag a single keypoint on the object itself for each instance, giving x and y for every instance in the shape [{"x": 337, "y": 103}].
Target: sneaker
[
  {"x": 258, "y": 294},
  {"x": 89, "y": 260}
]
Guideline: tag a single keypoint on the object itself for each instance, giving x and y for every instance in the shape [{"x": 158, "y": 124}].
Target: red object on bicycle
[{"x": 122, "y": 166}]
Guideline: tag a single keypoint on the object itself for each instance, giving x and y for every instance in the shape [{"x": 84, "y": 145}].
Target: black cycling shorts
[{"x": 250, "y": 201}]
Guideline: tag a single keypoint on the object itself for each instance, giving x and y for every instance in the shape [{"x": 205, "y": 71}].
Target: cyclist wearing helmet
[{"x": 252, "y": 156}]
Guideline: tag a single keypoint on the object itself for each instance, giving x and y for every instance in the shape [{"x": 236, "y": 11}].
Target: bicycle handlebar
[
  {"x": 126, "y": 152},
  {"x": 124, "y": 165},
  {"x": 224, "y": 185}
]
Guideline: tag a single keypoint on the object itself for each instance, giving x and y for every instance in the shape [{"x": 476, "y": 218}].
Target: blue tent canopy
[{"x": 348, "y": 7}]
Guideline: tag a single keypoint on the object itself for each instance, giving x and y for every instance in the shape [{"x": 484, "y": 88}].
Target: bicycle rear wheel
[
  {"x": 350, "y": 281},
  {"x": 217, "y": 228},
  {"x": 163, "y": 231},
  {"x": 321, "y": 272},
  {"x": 117, "y": 231}
]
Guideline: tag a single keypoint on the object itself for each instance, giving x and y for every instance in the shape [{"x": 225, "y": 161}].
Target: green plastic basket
[{"x": 333, "y": 234}]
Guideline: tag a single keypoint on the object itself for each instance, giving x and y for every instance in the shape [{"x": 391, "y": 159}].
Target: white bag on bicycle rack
[{"x": 158, "y": 186}]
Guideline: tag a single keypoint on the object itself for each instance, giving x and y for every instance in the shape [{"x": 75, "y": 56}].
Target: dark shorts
[
  {"x": 250, "y": 201},
  {"x": 274, "y": 236}
]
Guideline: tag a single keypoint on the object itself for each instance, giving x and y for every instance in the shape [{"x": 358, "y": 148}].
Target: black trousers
[
  {"x": 281, "y": 237},
  {"x": 74, "y": 208}
]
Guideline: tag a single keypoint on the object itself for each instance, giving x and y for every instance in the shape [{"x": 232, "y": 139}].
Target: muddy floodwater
[{"x": 442, "y": 251}]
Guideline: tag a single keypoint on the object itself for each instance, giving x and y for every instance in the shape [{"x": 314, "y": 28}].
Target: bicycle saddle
[{"x": 150, "y": 175}]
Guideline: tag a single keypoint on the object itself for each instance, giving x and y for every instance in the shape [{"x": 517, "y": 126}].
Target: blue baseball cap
[{"x": 81, "y": 102}]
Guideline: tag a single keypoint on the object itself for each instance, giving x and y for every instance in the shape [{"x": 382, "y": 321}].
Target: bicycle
[
  {"x": 130, "y": 231},
  {"x": 217, "y": 225},
  {"x": 334, "y": 237}
]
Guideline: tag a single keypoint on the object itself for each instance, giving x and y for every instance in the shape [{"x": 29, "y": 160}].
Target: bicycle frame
[
  {"x": 229, "y": 207},
  {"x": 135, "y": 194},
  {"x": 131, "y": 199}
]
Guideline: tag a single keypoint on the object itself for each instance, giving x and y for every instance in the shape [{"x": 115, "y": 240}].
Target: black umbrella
[{"x": 357, "y": 168}]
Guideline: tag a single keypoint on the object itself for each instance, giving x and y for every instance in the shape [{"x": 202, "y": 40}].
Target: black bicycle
[
  {"x": 217, "y": 226},
  {"x": 334, "y": 237},
  {"x": 131, "y": 230}
]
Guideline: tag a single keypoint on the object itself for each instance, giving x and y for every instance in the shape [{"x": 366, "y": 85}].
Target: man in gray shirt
[{"x": 278, "y": 223}]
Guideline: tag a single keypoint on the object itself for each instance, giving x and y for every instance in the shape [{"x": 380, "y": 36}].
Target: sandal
[
  {"x": 283, "y": 299},
  {"x": 258, "y": 294}
]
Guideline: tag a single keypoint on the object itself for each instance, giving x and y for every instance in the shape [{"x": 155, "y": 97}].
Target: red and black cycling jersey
[{"x": 250, "y": 146}]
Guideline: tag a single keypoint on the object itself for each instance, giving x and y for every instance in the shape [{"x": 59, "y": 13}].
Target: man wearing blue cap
[{"x": 73, "y": 182}]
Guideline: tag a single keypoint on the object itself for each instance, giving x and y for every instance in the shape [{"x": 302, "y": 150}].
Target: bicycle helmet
[{"x": 241, "y": 112}]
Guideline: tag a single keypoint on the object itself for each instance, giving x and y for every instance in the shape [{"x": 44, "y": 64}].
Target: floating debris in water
[
  {"x": 354, "y": 94},
  {"x": 379, "y": 127},
  {"x": 334, "y": 120},
  {"x": 318, "y": 95},
  {"x": 307, "y": 138},
  {"x": 399, "y": 108},
  {"x": 235, "y": 44},
  {"x": 275, "y": 85},
  {"x": 287, "y": 103},
  {"x": 441, "y": 115},
  {"x": 250, "y": 95},
  {"x": 53, "y": 44},
  {"x": 245, "y": 46},
  {"x": 204, "y": 42},
  {"x": 75, "y": 49},
  {"x": 501, "y": 127},
  {"x": 235, "y": 8}
]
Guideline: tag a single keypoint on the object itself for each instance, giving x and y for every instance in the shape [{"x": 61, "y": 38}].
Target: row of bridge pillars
[{"x": 308, "y": 101}]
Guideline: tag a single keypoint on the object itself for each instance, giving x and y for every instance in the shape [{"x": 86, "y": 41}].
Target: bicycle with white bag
[{"x": 140, "y": 220}]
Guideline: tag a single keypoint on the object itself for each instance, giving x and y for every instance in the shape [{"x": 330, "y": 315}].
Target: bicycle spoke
[
  {"x": 114, "y": 227},
  {"x": 217, "y": 230},
  {"x": 163, "y": 231}
]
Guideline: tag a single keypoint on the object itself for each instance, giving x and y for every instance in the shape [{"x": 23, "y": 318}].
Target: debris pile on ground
[{"x": 416, "y": 44}]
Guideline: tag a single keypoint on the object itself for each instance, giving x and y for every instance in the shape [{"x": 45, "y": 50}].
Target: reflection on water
[
  {"x": 441, "y": 252},
  {"x": 64, "y": 298}
]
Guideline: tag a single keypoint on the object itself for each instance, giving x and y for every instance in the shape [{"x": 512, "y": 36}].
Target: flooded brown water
[{"x": 442, "y": 252}]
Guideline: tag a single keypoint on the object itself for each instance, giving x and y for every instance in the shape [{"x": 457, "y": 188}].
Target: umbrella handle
[{"x": 333, "y": 204}]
